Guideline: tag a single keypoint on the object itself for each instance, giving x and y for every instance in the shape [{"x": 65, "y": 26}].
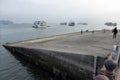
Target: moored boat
[
  {"x": 63, "y": 23},
  {"x": 71, "y": 23},
  {"x": 39, "y": 24}
]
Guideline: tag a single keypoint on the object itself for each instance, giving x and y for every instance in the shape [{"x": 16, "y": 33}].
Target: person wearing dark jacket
[
  {"x": 114, "y": 31},
  {"x": 109, "y": 67}
]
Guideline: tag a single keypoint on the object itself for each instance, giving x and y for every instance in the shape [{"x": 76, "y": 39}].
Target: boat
[
  {"x": 39, "y": 24},
  {"x": 63, "y": 23},
  {"x": 71, "y": 23},
  {"x": 110, "y": 24},
  {"x": 82, "y": 23}
]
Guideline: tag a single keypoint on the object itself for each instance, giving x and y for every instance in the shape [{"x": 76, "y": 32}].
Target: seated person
[
  {"x": 108, "y": 68},
  {"x": 101, "y": 77}
]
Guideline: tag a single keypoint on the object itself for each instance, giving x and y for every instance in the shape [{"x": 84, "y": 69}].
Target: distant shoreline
[{"x": 6, "y": 22}]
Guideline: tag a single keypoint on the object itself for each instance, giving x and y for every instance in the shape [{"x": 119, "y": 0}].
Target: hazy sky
[{"x": 60, "y": 10}]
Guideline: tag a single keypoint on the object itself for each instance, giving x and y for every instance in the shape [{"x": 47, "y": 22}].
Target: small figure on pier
[
  {"x": 114, "y": 31},
  {"x": 81, "y": 31},
  {"x": 93, "y": 31}
]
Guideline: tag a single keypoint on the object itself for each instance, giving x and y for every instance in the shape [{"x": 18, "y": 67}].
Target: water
[{"x": 13, "y": 68}]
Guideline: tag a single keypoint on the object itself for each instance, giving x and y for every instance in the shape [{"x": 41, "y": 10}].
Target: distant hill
[{"x": 6, "y": 22}]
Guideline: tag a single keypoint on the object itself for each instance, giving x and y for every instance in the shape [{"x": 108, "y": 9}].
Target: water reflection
[{"x": 36, "y": 72}]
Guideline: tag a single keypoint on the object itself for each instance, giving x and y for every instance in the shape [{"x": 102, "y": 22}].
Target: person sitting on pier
[
  {"x": 101, "y": 77},
  {"x": 108, "y": 69}
]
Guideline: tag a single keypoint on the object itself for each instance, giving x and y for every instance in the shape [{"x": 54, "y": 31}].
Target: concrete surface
[{"x": 99, "y": 43}]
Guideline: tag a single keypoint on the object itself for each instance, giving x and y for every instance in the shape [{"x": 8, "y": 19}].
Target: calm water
[{"x": 13, "y": 68}]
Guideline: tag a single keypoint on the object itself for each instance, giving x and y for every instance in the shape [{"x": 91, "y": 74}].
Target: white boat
[{"x": 39, "y": 24}]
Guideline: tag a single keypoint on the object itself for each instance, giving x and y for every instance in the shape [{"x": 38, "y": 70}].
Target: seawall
[{"x": 69, "y": 56}]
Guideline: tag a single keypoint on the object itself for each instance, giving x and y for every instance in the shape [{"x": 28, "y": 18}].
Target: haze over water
[
  {"x": 93, "y": 12},
  {"x": 28, "y": 11}
]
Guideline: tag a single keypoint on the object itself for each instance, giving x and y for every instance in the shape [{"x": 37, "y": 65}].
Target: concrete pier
[{"x": 68, "y": 55}]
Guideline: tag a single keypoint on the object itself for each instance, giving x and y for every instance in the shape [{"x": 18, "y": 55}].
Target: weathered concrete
[
  {"x": 99, "y": 44},
  {"x": 74, "y": 66},
  {"x": 69, "y": 54}
]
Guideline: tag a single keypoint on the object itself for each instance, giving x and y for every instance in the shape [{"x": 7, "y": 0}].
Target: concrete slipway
[{"x": 68, "y": 55}]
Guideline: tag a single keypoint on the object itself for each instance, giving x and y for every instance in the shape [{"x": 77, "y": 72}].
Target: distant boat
[
  {"x": 71, "y": 23},
  {"x": 63, "y": 23},
  {"x": 83, "y": 23},
  {"x": 110, "y": 24},
  {"x": 39, "y": 24}
]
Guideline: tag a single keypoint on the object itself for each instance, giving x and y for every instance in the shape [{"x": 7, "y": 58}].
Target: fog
[{"x": 22, "y": 11}]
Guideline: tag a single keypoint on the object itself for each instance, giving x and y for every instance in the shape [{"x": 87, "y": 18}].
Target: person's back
[
  {"x": 101, "y": 77},
  {"x": 108, "y": 69}
]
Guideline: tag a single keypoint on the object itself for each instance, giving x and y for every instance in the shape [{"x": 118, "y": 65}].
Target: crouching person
[
  {"x": 108, "y": 69},
  {"x": 101, "y": 77}
]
